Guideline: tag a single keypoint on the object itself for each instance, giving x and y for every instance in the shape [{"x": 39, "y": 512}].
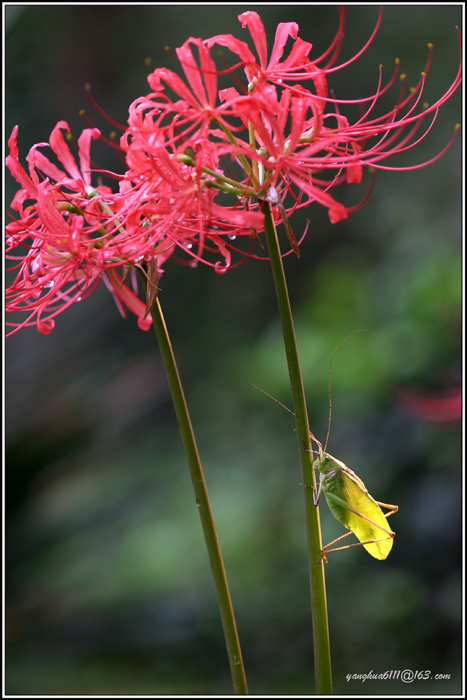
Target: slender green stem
[
  {"x": 318, "y": 589},
  {"x": 202, "y": 501}
]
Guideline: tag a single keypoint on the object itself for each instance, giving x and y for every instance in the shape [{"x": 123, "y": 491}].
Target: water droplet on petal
[{"x": 232, "y": 236}]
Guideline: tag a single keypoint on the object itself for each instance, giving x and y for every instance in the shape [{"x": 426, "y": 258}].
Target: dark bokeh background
[{"x": 108, "y": 588}]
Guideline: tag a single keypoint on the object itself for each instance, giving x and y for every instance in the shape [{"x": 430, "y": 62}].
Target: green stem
[
  {"x": 202, "y": 501},
  {"x": 318, "y": 589}
]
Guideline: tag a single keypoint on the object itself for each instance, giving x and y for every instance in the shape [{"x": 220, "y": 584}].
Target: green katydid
[
  {"x": 349, "y": 501},
  {"x": 351, "y": 504}
]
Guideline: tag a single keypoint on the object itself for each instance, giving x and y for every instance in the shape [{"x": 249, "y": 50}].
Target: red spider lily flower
[
  {"x": 64, "y": 232},
  {"x": 326, "y": 142},
  {"x": 276, "y": 140}
]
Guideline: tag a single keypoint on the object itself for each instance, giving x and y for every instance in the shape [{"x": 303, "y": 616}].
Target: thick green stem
[
  {"x": 203, "y": 504},
  {"x": 318, "y": 589}
]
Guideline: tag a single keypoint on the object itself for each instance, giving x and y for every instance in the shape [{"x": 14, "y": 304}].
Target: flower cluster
[
  {"x": 71, "y": 234},
  {"x": 202, "y": 163}
]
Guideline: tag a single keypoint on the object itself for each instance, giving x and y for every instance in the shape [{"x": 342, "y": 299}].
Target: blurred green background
[{"x": 108, "y": 588}]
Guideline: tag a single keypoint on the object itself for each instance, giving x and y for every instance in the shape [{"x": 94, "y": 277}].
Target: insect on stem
[{"x": 347, "y": 496}]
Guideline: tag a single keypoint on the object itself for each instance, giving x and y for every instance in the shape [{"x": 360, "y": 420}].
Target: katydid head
[{"x": 326, "y": 463}]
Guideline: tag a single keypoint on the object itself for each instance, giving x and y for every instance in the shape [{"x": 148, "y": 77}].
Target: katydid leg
[
  {"x": 392, "y": 509},
  {"x": 326, "y": 549}
]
